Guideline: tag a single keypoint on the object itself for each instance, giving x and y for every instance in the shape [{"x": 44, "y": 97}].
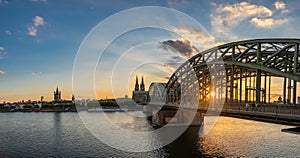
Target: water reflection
[
  {"x": 64, "y": 135},
  {"x": 232, "y": 137},
  {"x": 57, "y": 134}
]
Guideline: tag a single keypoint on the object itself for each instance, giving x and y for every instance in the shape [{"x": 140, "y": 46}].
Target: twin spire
[{"x": 141, "y": 87}]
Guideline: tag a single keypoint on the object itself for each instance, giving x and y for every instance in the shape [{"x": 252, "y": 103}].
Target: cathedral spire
[
  {"x": 57, "y": 95},
  {"x": 136, "y": 88},
  {"x": 142, "y": 84}
]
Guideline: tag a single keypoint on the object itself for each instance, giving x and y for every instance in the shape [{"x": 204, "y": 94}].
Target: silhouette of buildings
[
  {"x": 57, "y": 95},
  {"x": 139, "y": 95}
]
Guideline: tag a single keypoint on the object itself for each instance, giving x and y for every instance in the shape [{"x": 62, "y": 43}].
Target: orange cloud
[
  {"x": 32, "y": 31},
  {"x": 2, "y": 72},
  {"x": 38, "y": 21}
]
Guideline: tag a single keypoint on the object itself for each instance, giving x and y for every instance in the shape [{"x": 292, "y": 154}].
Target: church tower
[
  {"x": 139, "y": 95},
  {"x": 57, "y": 95},
  {"x": 136, "y": 88},
  {"x": 142, "y": 84}
]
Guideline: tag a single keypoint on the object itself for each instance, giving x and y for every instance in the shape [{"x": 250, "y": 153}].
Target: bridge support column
[
  {"x": 284, "y": 90},
  {"x": 289, "y": 91},
  {"x": 254, "y": 90},
  {"x": 249, "y": 90},
  {"x": 258, "y": 73},
  {"x": 258, "y": 84},
  {"x": 231, "y": 83},
  {"x": 269, "y": 89},
  {"x": 246, "y": 91},
  {"x": 294, "y": 92},
  {"x": 226, "y": 88},
  {"x": 241, "y": 85},
  {"x": 296, "y": 55},
  {"x": 265, "y": 89},
  {"x": 232, "y": 77}
]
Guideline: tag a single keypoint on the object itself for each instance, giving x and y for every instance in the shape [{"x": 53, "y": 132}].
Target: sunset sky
[{"x": 39, "y": 39}]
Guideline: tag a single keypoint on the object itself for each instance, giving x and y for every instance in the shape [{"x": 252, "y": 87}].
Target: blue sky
[{"x": 39, "y": 39}]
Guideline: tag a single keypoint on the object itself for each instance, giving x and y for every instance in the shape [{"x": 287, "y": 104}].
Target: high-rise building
[
  {"x": 139, "y": 95},
  {"x": 57, "y": 95}
]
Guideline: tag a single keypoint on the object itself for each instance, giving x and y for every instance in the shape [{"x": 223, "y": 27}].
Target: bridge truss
[{"x": 240, "y": 72}]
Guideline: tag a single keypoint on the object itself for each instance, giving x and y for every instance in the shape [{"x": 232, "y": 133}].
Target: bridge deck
[
  {"x": 275, "y": 113},
  {"x": 289, "y": 119}
]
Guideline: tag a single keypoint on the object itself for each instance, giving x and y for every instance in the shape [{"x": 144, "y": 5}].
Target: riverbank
[
  {"x": 54, "y": 109},
  {"x": 60, "y": 109}
]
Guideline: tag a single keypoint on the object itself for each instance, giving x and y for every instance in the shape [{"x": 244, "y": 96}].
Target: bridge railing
[
  {"x": 241, "y": 107},
  {"x": 269, "y": 108}
]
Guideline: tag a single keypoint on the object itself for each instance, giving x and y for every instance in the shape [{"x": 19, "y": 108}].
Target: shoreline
[{"x": 55, "y": 109}]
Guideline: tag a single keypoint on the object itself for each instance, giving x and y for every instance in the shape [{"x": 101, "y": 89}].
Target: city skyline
[{"x": 39, "y": 39}]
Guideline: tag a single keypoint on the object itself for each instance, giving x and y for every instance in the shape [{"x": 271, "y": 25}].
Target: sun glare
[{"x": 212, "y": 94}]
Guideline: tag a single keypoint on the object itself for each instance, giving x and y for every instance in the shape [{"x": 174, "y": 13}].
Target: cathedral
[
  {"x": 139, "y": 95},
  {"x": 57, "y": 95}
]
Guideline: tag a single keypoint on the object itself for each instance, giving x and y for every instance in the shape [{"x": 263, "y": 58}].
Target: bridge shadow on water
[{"x": 187, "y": 145}]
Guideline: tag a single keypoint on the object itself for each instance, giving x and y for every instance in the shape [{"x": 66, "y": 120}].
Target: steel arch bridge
[{"x": 239, "y": 72}]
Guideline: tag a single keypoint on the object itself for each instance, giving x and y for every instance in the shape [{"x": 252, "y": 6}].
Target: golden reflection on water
[{"x": 239, "y": 137}]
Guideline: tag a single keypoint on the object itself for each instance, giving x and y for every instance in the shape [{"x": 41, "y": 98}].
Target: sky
[{"x": 39, "y": 40}]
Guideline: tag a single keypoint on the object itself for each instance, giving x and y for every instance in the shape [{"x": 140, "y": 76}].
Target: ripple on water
[
  {"x": 239, "y": 137},
  {"x": 63, "y": 134}
]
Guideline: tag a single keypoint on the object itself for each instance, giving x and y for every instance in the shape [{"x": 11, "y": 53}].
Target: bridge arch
[{"x": 240, "y": 68}]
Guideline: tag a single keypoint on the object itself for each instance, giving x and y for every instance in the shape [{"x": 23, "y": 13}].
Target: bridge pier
[{"x": 167, "y": 116}]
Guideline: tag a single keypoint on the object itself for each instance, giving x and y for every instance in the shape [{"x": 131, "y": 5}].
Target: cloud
[
  {"x": 182, "y": 49},
  {"x": 7, "y": 32},
  {"x": 199, "y": 37},
  {"x": 176, "y": 2},
  {"x": 242, "y": 10},
  {"x": 232, "y": 15},
  {"x": 268, "y": 23},
  {"x": 2, "y": 72},
  {"x": 3, "y": 2},
  {"x": 2, "y": 52},
  {"x": 192, "y": 42},
  {"x": 38, "y": 21},
  {"x": 279, "y": 5},
  {"x": 32, "y": 31},
  {"x": 182, "y": 46},
  {"x": 36, "y": 73},
  {"x": 226, "y": 18}
]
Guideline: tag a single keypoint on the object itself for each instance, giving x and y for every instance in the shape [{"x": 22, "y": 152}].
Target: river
[{"x": 63, "y": 134}]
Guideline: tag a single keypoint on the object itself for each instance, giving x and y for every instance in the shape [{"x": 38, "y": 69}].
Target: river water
[{"x": 63, "y": 134}]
